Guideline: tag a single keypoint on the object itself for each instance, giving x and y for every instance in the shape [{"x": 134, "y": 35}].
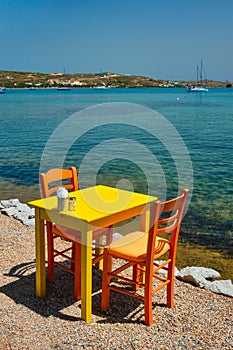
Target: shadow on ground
[{"x": 59, "y": 297}]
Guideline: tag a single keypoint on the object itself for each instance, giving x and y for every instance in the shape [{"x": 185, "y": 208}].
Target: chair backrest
[
  {"x": 55, "y": 178},
  {"x": 166, "y": 218}
]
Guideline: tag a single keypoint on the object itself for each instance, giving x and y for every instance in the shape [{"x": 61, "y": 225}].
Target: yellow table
[{"x": 98, "y": 206}]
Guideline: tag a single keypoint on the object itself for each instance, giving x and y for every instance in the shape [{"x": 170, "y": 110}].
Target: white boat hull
[
  {"x": 197, "y": 89},
  {"x": 63, "y": 88}
]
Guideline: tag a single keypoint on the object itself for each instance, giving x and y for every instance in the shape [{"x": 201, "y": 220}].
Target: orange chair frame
[
  {"x": 50, "y": 182},
  {"x": 145, "y": 268}
]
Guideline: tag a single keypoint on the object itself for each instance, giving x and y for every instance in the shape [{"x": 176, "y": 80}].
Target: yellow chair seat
[{"x": 133, "y": 246}]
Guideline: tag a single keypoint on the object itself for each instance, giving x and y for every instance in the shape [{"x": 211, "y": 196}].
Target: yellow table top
[{"x": 97, "y": 202}]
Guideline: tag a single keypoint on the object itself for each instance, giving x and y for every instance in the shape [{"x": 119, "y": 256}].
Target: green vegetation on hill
[{"x": 11, "y": 79}]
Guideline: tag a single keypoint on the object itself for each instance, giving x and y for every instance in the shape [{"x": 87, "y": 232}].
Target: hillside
[{"x": 12, "y": 79}]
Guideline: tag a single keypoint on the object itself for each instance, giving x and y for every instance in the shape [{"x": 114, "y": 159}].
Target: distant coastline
[{"x": 33, "y": 80}]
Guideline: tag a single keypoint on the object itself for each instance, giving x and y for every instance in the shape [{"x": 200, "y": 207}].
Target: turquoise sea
[{"x": 204, "y": 121}]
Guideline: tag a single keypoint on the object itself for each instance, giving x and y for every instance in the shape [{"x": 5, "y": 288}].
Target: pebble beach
[{"x": 199, "y": 320}]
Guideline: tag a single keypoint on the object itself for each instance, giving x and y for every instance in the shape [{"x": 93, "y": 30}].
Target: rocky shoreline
[
  {"x": 200, "y": 319},
  {"x": 202, "y": 277}
]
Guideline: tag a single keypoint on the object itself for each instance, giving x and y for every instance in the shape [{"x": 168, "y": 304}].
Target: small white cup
[
  {"x": 61, "y": 203},
  {"x": 62, "y": 197}
]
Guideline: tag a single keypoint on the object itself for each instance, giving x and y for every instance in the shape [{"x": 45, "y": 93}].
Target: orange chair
[
  {"x": 50, "y": 182},
  {"x": 139, "y": 251}
]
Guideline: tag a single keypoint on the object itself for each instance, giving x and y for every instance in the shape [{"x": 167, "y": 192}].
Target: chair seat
[
  {"x": 133, "y": 246},
  {"x": 73, "y": 235}
]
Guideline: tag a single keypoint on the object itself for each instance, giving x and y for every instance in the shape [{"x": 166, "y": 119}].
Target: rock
[
  {"x": 198, "y": 275},
  {"x": 24, "y": 208},
  {"x": 29, "y": 222},
  {"x": 21, "y": 216},
  {"x": 116, "y": 236},
  {"x": 19, "y": 211},
  {"x": 7, "y": 203},
  {"x": 224, "y": 287},
  {"x": 32, "y": 215},
  {"x": 9, "y": 211}
]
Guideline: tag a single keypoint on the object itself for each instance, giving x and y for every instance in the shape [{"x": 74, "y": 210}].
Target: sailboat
[
  {"x": 199, "y": 87},
  {"x": 63, "y": 86}
]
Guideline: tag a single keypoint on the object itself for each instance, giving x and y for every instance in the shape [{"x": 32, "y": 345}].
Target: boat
[
  {"x": 63, "y": 88},
  {"x": 199, "y": 87},
  {"x": 2, "y": 90},
  {"x": 100, "y": 87}
]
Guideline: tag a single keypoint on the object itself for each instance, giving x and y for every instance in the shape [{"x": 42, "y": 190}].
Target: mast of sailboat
[
  {"x": 201, "y": 71},
  {"x": 197, "y": 75}
]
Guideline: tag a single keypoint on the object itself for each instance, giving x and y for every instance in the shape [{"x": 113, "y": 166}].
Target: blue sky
[{"x": 156, "y": 38}]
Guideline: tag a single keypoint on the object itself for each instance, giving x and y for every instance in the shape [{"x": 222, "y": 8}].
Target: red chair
[
  {"x": 139, "y": 250},
  {"x": 50, "y": 182}
]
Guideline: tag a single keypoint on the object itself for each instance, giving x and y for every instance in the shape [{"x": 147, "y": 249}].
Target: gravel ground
[{"x": 199, "y": 320}]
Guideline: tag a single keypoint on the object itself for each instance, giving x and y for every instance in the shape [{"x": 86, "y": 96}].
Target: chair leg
[
  {"x": 73, "y": 256},
  {"x": 170, "y": 286},
  {"x": 136, "y": 276},
  {"x": 109, "y": 239},
  {"x": 106, "y": 280},
  {"x": 77, "y": 271},
  {"x": 148, "y": 299},
  {"x": 109, "y": 236},
  {"x": 50, "y": 247}
]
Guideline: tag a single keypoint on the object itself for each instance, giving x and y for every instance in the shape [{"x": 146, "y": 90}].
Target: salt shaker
[{"x": 72, "y": 203}]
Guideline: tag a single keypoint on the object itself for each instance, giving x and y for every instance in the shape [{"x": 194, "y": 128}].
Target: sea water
[{"x": 203, "y": 120}]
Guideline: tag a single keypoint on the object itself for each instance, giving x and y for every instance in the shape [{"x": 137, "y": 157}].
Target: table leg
[
  {"x": 98, "y": 251},
  {"x": 40, "y": 255},
  {"x": 86, "y": 274},
  {"x": 145, "y": 219},
  {"x": 138, "y": 274}
]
